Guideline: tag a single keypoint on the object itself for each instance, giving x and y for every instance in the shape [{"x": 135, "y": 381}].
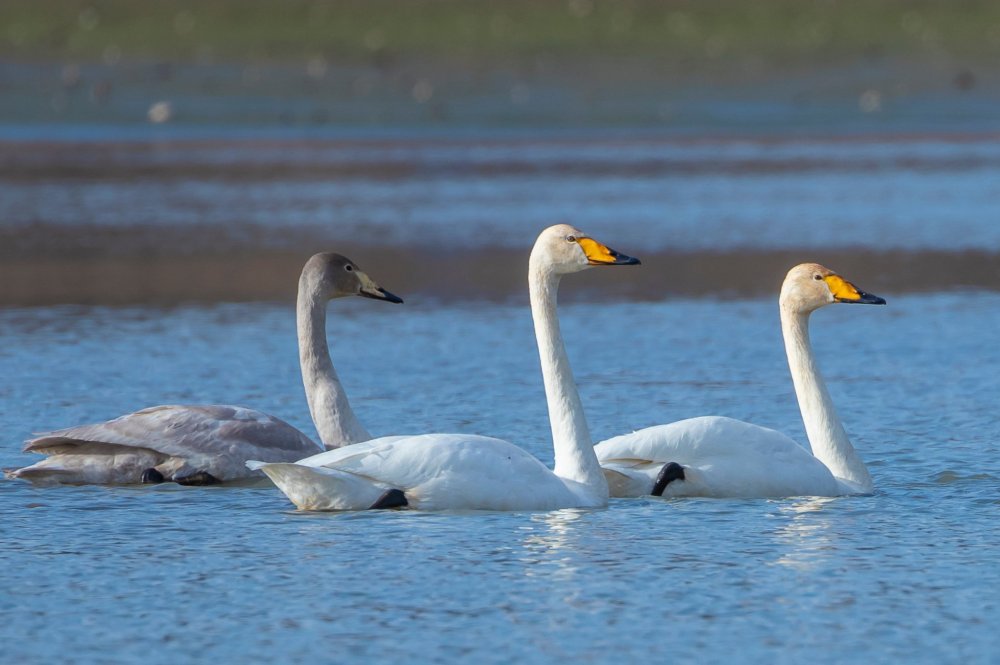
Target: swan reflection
[{"x": 805, "y": 536}]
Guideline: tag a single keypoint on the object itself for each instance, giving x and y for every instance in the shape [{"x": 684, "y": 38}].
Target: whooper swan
[{"x": 714, "y": 456}]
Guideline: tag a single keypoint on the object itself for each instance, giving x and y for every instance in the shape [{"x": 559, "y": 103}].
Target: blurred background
[{"x": 199, "y": 150}]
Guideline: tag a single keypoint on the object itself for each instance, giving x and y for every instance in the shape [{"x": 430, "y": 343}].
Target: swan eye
[
  {"x": 349, "y": 268},
  {"x": 818, "y": 277},
  {"x": 570, "y": 238}
]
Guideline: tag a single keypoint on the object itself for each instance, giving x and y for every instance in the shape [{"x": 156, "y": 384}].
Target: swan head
[
  {"x": 809, "y": 286},
  {"x": 564, "y": 249},
  {"x": 336, "y": 276}
]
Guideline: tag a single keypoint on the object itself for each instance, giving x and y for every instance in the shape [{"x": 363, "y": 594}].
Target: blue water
[
  {"x": 643, "y": 191},
  {"x": 168, "y": 574}
]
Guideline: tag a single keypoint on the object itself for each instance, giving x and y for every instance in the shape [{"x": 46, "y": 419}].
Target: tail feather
[
  {"x": 41, "y": 477},
  {"x": 320, "y": 488},
  {"x": 84, "y": 470}
]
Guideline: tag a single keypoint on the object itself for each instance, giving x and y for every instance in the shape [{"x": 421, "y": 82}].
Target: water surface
[
  {"x": 647, "y": 189},
  {"x": 162, "y": 574}
]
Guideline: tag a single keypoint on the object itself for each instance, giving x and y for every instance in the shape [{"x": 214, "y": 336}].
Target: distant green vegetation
[{"x": 774, "y": 31}]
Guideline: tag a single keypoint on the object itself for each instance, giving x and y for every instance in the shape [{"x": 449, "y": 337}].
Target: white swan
[
  {"x": 196, "y": 445},
  {"x": 461, "y": 471},
  {"x": 721, "y": 457}
]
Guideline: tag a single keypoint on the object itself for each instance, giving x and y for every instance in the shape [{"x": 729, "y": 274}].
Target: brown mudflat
[{"x": 458, "y": 274}]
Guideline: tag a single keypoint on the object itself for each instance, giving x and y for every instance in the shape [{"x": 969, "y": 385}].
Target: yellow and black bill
[
  {"x": 844, "y": 291},
  {"x": 601, "y": 255}
]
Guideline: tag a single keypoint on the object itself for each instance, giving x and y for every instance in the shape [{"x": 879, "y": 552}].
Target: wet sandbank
[{"x": 459, "y": 274}]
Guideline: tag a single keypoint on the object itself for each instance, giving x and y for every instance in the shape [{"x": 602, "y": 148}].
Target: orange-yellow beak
[
  {"x": 602, "y": 255},
  {"x": 844, "y": 291}
]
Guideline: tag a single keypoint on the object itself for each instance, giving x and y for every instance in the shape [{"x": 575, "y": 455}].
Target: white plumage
[
  {"x": 434, "y": 471},
  {"x": 723, "y": 457}
]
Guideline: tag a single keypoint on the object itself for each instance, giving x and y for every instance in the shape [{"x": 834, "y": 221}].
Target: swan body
[
  {"x": 723, "y": 457},
  {"x": 434, "y": 472},
  {"x": 467, "y": 472},
  {"x": 178, "y": 441},
  {"x": 204, "y": 444}
]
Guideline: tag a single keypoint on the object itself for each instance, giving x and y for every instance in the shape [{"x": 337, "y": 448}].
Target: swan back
[
  {"x": 723, "y": 457},
  {"x": 217, "y": 439},
  {"x": 178, "y": 430},
  {"x": 435, "y": 471}
]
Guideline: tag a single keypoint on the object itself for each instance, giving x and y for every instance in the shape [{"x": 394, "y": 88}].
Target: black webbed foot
[
  {"x": 390, "y": 499},
  {"x": 199, "y": 478},
  {"x": 151, "y": 477},
  {"x": 670, "y": 472}
]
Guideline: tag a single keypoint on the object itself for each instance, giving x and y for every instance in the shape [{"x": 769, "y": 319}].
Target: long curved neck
[
  {"x": 331, "y": 412},
  {"x": 574, "y": 450},
  {"x": 826, "y": 433}
]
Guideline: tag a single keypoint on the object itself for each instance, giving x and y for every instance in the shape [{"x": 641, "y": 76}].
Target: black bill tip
[
  {"x": 619, "y": 260},
  {"x": 865, "y": 299},
  {"x": 382, "y": 294}
]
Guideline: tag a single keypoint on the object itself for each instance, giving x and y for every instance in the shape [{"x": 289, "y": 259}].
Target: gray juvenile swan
[{"x": 198, "y": 445}]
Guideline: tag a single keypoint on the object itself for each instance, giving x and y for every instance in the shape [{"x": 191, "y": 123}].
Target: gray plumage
[
  {"x": 210, "y": 443},
  {"x": 180, "y": 441}
]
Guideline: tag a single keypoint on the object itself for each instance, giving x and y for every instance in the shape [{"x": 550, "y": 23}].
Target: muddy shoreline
[{"x": 494, "y": 274}]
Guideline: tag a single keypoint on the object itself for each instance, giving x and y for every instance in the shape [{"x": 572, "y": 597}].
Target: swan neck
[
  {"x": 331, "y": 412},
  {"x": 575, "y": 458},
  {"x": 827, "y": 437}
]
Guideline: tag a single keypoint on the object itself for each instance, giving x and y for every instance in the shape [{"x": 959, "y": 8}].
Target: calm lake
[{"x": 169, "y": 574}]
